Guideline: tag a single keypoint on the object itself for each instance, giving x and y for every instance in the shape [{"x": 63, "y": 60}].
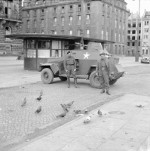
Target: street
[{"x": 20, "y": 124}]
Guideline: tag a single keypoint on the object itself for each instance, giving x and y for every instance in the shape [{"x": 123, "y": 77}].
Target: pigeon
[
  {"x": 24, "y": 102},
  {"x": 87, "y": 120},
  {"x": 39, "y": 98},
  {"x": 86, "y": 111},
  {"x": 41, "y": 93},
  {"x": 64, "y": 107},
  {"x": 69, "y": 104},
  {"x": 99, "y": 113},
  {"x": 77, "y": 111},
  {"x": 39, "y": 109},
  {"x": 62, "y": 114}
]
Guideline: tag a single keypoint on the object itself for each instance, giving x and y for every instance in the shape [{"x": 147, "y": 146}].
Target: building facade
[
  {"x": 10, "y": 22},
  {"x": 101, "y": 19},
  {"x": 133, "y": 32},
  {"x": 145, "y": 34}
]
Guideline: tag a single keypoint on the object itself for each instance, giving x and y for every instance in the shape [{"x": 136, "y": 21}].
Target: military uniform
[
  {"x": 70, "y": 67},
  {"x": 103, "y": 72}
]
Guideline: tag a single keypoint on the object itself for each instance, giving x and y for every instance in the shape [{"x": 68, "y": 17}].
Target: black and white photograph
[{"x": 74, "y": 75}]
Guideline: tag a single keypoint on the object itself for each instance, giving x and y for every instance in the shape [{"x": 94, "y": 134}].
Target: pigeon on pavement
[
  {"x": 69, "y": 104},
  {"x": 24, "y": 102},
  {"x": 62, "y": 114},
  {"x": 41, "y": 93},
  {"x": 87, "y": 120},
  {"x": 99, "y": 113},
  {"x": 39, "y": 98},
  {"x": 77, "y": 111},
  {"x": 39, "y": 109}
]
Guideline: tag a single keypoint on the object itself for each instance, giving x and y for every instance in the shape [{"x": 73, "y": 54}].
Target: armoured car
[{"x": 86, "y": 60}]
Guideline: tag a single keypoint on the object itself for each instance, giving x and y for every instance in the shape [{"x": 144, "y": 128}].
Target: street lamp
[{"x": 138, "y": 40}]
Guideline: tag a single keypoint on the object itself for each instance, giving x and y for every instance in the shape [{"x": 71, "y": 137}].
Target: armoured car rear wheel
[
  {"x": 63, "y": 78},
  {"x": 95, "y": 80},
  {"x": 47, "y": 76}
]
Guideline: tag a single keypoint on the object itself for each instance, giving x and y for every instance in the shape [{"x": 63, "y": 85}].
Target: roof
[{"x": 56, "y": 37}]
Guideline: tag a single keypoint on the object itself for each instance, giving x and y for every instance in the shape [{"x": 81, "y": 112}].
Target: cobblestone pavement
[{"x": 16, "y": 122}]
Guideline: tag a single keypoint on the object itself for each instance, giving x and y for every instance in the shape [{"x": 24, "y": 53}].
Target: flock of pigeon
[{"x": 65, "y": 107}]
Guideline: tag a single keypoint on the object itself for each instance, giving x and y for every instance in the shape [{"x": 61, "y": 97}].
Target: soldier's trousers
[
  {"x": 71, "y": 72},
  {"x": 105, "y": 80}
]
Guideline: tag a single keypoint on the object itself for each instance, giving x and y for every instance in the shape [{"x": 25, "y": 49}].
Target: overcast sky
[{"x": 133, "y": 5}]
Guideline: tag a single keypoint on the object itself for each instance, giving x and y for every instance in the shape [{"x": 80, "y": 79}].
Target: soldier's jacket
[
  {"x": 69, "y": 63},
  {"x": 103, "y": 65}
]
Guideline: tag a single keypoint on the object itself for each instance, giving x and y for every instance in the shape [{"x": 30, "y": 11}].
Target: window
[
  {"x": 28, "y": 24},
  {"x": 71, "y": 8},
  {"x": 129, "y": 25},
  {"x": 88, "y": 6},
  {"x": 54, "y": 10},
  {"x": 28, "y": 15},
  {"x": 70, "y": 20},
  {"x": 133, "y": 43},
  {"x": 133, "y": 38},
  {"x": 128, "y": 31},
  {"x": 88, "y": 19},
  {"x": 8, "y": 32},
  {"x": 42, "y": 23},
  {"x": 42, "y": 11},
  {"x": 146, "y": 22},
  {"x": 79, "y": 8},
  {"x": 35, "y": 24},
  {"x": 128, "y": 43},
  {"x": 134, "y": 25},
  {"x": 62, "y": 9},
  {"x": 133, "y": 31},
  {"x": 55, "y": 21},
  {"x": 79, "y": 19},
  {"x": 62, "y": 21}
]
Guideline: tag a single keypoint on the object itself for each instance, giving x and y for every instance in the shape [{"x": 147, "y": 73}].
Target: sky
[{"x": 133, "y": 6}]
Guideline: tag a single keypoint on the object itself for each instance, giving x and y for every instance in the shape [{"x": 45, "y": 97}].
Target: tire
[
  {"x": 47, "y": 76},
  {"x": 95, "y": 80},
  {"x": 63, "y": 78}
]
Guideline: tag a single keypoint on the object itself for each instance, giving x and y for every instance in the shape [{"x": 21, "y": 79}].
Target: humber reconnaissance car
[{"x": 86, "y": 61}]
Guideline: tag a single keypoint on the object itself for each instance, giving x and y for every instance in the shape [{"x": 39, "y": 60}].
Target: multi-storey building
[
  {"x": 145, "y": 34},
  {"x": 101, "y": 19},
  {"x": 10, "y": 22},
  {"x": 133, "y": 32}
]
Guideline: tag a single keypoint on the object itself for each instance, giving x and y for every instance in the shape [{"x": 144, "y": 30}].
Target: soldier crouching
[{"x": 70, "y": 68}]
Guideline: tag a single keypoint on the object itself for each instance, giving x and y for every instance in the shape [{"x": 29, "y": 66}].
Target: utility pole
[{"x": 137, "y": 53}]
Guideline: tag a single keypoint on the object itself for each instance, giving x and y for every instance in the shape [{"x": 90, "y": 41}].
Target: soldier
[
  {"x": 70, "y": 68},
  {"x": 103, "y": 71}
]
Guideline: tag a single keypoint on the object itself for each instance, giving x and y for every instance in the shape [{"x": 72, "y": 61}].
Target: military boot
[{"x": 107, "y": 92}]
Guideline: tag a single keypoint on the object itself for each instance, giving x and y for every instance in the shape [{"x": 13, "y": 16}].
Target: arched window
[{"x": 7, "y": 32}]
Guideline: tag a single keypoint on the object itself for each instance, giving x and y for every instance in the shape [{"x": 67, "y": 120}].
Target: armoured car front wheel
[
  {"x": 47, "y": 76},
  {"x": 95, "y": 80}
]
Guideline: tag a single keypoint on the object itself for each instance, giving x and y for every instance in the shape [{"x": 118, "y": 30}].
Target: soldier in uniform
[
  {"x": 103, "y": 71},
  {"x": 70, "y": 68}
]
